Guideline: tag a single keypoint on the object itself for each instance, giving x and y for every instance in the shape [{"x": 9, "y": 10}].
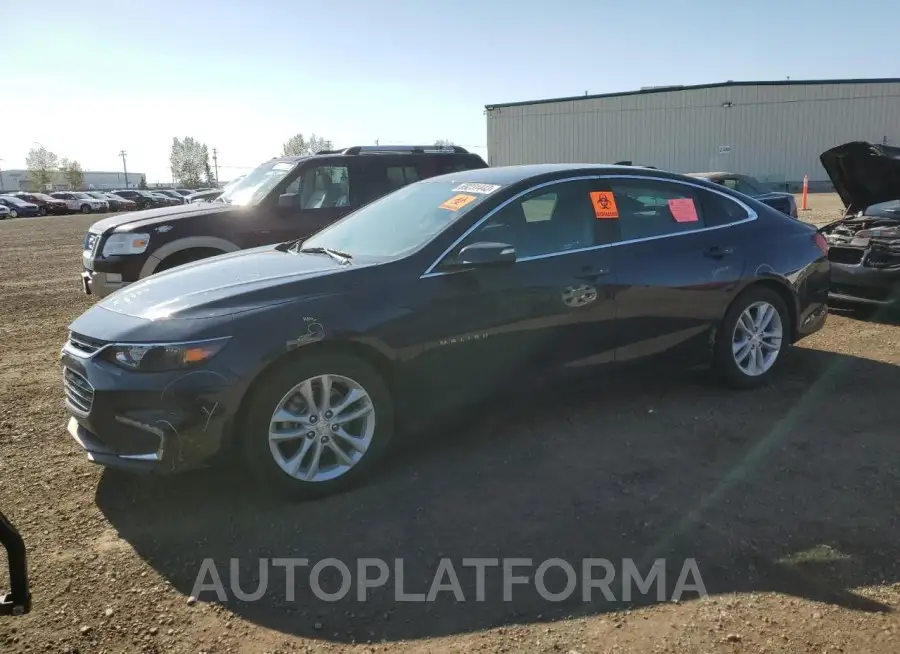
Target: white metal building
[
  {"x": 17, "y": 180},
  {"x": 774, "y": 131}
]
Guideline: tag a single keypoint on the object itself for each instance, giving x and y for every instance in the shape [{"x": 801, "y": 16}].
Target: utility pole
[
  {"x": 122, "y": 154},
  {"x": 376, "y": 141},
  {"x": 216, "y": 165}
]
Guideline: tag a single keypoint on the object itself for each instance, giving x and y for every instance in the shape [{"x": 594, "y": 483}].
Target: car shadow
[{"x": 791, "y": 488}]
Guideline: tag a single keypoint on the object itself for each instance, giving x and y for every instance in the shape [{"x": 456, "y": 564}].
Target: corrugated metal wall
[{"x": 775, "y": 133}]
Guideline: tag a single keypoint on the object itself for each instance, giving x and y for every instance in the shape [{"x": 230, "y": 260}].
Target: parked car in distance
[
  {"x": 307, "y": 356},
  {"x": 141, "y": 198},
  {"x": 46, "y": 204},
  {"x": 864, "y": 245},
  {"x": 165, "y": 200},
  {"x": 4, "y": 212},
  {"x": 78, "y": 201},
  {"x": 204, "y": 196},
  {"x": 785, "y": 202},
  {"x": 282, "y": 199},
  {"x": 171, "y": 193},
  {"x": 124, "y": 203},
  {"x": 112, "y": 204},
  {"x": 18, "y": 207}
]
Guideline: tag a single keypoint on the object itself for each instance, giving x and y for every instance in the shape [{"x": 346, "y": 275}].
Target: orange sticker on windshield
[
  {"x": 604, "y": 204},
  {"x": 457, "y": 202}
]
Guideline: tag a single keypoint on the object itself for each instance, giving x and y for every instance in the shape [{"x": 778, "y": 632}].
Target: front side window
[
  {"x": 324, "y": 187},
  {"x": 552, "y": 219},
  {"x": 652, "y": 208}
]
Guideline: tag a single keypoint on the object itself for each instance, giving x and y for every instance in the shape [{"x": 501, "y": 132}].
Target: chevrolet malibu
[{"x": 303, "y": 359}]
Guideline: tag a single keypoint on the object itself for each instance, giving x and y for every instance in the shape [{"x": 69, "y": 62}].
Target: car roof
[
  {"x": 712, "y": 175},
  {"x": 506, "y": 175}
]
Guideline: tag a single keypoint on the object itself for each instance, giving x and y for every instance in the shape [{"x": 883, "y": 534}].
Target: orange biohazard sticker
[
  {"x": 604, "y": 205},
  {"x": 457, "y": 202}
]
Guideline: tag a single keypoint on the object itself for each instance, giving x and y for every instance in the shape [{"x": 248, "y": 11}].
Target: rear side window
[
  {"x": 652, "y": 208},
  {"x": 399, "y": 176},
  {"x": 719, "y": 210}
]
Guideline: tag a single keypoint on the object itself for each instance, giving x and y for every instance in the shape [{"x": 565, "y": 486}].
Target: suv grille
[
  {"x": 85, "y": 343},
  {"x": 79, "y": 392}
]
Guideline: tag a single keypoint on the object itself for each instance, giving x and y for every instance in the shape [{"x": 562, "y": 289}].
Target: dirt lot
[{"x": 787, "y": 497}]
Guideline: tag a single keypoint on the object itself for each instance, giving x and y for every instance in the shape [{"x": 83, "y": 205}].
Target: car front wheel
[
  {"x": 85, "y": 208},
  {"x": 13, "y": 213},
  {"x": 752, "y": 339},
  {"x": 317, "y": 424}
]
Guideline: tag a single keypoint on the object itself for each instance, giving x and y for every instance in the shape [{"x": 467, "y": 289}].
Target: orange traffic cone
[{"x": 804, "y": 201}]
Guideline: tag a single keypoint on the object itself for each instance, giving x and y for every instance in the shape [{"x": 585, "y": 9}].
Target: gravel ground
[{"x": 786, "y": 498}]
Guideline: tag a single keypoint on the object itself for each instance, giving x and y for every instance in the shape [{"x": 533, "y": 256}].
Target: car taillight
[{"x": 821, "y": 243}]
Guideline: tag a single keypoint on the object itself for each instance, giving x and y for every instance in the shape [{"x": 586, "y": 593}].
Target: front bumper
[
  {"x": 864, "y": 285},
  {"x": 101, "y": 284},
  {"x": 146, "y": 422}
]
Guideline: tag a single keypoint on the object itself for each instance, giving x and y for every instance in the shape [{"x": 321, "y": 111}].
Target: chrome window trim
[{"x": 751, "y": 216}]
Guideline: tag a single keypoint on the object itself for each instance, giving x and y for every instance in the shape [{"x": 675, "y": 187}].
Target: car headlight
[
  {"x": 125, "y": 243},
  {"x": 159, "y": 357}
]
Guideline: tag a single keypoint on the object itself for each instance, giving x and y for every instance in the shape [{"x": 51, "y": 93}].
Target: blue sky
[{"x": 87, "y": 79}]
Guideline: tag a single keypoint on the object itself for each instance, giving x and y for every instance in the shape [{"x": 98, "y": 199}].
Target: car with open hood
[
  {"x": 282, "y": 199},
  {"x": 305, "y": 357},
  {"x": 785, "y": 202},
  {"x": 864, "y": 245}
]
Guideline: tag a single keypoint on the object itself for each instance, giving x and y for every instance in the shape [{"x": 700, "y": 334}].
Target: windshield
[
  {"x": 889, "y": 209},
  {"x": 251, "y": 190},
  {"x": 400, "y": 223},
  {"x": 14, "y": 200}
]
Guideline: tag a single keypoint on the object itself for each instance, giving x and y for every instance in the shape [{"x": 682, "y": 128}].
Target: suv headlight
[
  {"x": 159, "y": 357},
  {"x": 125, "y": 244}
]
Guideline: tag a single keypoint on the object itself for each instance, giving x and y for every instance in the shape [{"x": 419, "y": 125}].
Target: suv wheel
[
  {"x": 13, "y": 213},
  {"x": 85, "y": 208},
  {"x": 752, "y": 338},
  {"x": 317, "y": 424}
]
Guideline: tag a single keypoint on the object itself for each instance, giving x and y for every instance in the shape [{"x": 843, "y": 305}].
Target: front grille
[
  {"x": 85, "y": 344},
  {"x": 78, "y": 390},
  {"x": 849, "y": 256}
]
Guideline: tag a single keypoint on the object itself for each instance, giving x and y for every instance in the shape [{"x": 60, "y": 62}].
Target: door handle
[
  {"x": 717, "y": 252},
  {"x": 592, "y": 274}
]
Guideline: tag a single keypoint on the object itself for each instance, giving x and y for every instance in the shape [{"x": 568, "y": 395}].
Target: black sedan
[
  {"x": 865, "y": 243},
  {"x": 785, "y": 202},
  {"x": 305, "y": 357},
  {"x": 19, "y": 207}
]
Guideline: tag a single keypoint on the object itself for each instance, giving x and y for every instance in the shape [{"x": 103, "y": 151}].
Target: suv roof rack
[{"x": 393, "y": 149}]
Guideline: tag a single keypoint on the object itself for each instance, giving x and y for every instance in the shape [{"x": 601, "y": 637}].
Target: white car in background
[
  {"x": 78, "y": 201},
  {"x": 4, "y": 212}
]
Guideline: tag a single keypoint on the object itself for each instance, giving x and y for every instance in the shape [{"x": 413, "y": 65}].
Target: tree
[
  {"x": 443, "y": 142},
  {"x": 73, "y": 173},
  {"x": 298, "y": 145},
  {"x": 143, "y": 183},
  {"x": 189, "y": 160},
  {"x": 41, "y": 165}
]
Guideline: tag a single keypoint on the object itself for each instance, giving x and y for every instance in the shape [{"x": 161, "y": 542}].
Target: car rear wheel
[
  {"x": 85, "y": 208},
  {"x": 13, "y": 213},
  {"x": 317, "y": 424},
  {"x": 43, "y": 211},
  {"x": 752, "y": 339}
]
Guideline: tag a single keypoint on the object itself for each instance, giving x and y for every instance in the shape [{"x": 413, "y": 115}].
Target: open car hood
[{"x": 863, "y": 173}]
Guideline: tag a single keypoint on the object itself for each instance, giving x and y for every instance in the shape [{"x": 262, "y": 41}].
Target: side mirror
[
  {"x": 287, "y": 200},
  {"x": 479, "y": 255}
]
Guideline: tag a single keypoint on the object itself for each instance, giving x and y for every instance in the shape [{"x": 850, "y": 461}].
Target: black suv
[{"x": 285, "y": 198}]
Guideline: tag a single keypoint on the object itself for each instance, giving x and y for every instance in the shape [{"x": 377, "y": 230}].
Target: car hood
[
  {"x": 230, "y": 283},
  {"x": 863, "y": 173},
  {"x": 150, "y": 217}
]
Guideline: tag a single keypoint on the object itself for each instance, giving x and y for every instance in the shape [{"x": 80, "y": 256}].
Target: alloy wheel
[
  {"x": 322, "y": 428},
  {"x": 757, "y": 339}
]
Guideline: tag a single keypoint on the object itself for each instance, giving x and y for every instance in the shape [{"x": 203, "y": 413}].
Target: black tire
[
  {"x": 43, "y": 211},
  {"x": 186, "y": 256},
  {"x": 724, "y": 364},
  {"x": 13, "y": 213},
  {"x": 254, "y": 437},
  {"x": 86, "y": 208}
]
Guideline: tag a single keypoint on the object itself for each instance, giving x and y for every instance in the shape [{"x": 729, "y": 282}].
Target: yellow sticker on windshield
[{"x": 457, "y": 202}]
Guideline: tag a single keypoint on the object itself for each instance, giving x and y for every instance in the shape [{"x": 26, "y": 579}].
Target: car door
[
  {"x": 677, "y": 263},
  {"x": 553, "y": 307},
  {"x": 319, "y": 193}
]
